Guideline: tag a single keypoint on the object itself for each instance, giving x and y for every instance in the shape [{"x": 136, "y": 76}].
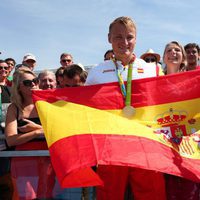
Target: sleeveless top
[{"x": 21, "y": 122}]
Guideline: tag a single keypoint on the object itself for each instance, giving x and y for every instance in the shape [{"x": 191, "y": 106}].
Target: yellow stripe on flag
[{"x": 64, "y": 119}]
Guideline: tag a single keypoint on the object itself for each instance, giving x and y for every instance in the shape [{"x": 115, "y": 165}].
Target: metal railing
[
  {"x": 84, "y": 193},
  {"x": 22, "y": 153}
]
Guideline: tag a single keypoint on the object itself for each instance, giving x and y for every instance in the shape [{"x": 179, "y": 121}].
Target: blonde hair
[
  {"x": 126, "y": 21},
  {"x": 184, "y": 60},
  {"x": 16, "y": 96}
]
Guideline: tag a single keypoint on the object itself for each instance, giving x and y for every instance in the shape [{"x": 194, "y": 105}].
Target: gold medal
[{"x": 128, "y": 111}]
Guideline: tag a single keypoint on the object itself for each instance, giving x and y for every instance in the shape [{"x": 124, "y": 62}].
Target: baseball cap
[{"x": 29, "y": 56}]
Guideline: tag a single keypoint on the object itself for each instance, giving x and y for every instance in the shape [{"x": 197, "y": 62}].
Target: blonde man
[{"x": 144, "y": 184}]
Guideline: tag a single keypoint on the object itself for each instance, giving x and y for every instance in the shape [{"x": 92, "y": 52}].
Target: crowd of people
[{"x": 21, "y": 125}]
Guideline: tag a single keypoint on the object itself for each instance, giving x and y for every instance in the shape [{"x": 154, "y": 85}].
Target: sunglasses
[
  {"x": 67, "y": 60},
  {"x": 150, "y": 60},
  {"x": 28, "y": 83},
  {"x": 2, "y": 67}
]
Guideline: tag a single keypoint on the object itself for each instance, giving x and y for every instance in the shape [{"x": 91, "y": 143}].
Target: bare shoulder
[{"x": 12, "y": 110}]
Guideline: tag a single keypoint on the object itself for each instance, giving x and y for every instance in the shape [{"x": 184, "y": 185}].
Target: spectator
[
  {"x": 21, "y": 66},
  {"x": 153, "y": 58},
  {"x": 109, "y": 55},
  {"x": 4, "y": 72},
  {"x": 47, "y": 80},
  {"x": 59, "y": 77},
  {"x": 145, "y": 184},
  {"x": 66, "y": 59},
  {"x": 177, "y": 187},
  {"x": 193, "y": 56},
  {"x": 74, "y": 76},
  {"x": 24, "y": 131},
  {"x": 29, "y": 60},
  {"x": 174, "y": 58},
  {"x": 11, "y": 64},
  {"x": 6, "y": 185}
]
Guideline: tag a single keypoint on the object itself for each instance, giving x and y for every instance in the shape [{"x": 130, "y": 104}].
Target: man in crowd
[
  {"x": 193, "y": 56},
  {"x": 74, "y": 75},
  {"x": 66, "y": 59},
  {"x": 11, "y": 64},
  {"x": 47, "y": 80},
  {"x": 6, "y": 185},
  {"x": 153, "y": 58},
  {"x": 29, "y": 60}
]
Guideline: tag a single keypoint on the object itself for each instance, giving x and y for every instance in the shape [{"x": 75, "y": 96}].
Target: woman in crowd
[
  {"x": 174, "y": 58},
  {"x": 24, "y": 131},
  {"x": 176, "y": 187}
]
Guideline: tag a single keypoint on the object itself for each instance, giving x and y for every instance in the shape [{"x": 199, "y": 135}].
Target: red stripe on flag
[
  {"x": 83, "y": 151},
  {"x": 145, "y": 92}
]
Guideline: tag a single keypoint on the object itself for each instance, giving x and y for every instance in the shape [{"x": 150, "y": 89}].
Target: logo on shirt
[{"x": 108, "y": 70}]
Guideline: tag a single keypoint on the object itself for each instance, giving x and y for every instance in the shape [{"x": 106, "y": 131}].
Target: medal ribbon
[
  {"x": 129, "y": 85},
  {"x": 125, "y": 92}
]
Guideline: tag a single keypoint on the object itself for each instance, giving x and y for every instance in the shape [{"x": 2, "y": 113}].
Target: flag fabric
[{"x": 85, "y": 127}]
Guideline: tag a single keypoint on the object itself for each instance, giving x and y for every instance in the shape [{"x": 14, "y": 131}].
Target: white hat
[
  {"x": 81, "y": 66},
  {"x": 29, "y": 56},
  {"x": 150, "y": 52}
]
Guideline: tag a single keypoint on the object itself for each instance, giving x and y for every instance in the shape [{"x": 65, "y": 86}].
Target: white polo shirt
[{"x": 106, "y": 72}]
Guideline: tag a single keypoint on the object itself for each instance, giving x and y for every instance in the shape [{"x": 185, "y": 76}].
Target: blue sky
[{"x": 48, "y": 28}]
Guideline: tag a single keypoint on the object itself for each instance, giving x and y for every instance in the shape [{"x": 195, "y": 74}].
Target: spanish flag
[{"x": 85, "y": 127}]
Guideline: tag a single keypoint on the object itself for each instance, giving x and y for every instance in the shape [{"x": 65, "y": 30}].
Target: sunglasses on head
[
  {"x": 2, "y": 67},
  {"x": 150, "y": 60},
  {"x": 66, "y": 60},
  {"x": 28, "y": 83}
]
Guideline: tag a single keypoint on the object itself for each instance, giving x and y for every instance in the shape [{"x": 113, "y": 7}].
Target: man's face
[
  {"x": 123, "y": 41},
  {"x": 66, "y": 61},
  {"x": 192, "y": 55},
  {"x": 11, "y": 65},
  {"x": 4, "y": 69},
  {"x": 72, "y": 82},
  {"x": 47, "y": 82},
  {"x": 30, "y": 63}
]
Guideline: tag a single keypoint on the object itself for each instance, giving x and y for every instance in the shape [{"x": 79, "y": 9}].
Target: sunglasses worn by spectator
[
  {"x": 28, "y": 83},
  {"x": 66, "y": 60},
  {"x": 150, "y": 60},
  {"x": 2, "y": 67}
]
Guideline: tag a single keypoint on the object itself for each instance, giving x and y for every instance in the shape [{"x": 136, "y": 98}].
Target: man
[
  {"x": 193, "y": 56},
  {"x": 109, "y": 55},
  {"x": 6, "y": 186},
  {"x": 153, "y": 58},
  {"x": 47, "y": 80},
  {"x": 145, "y": 184},
  {"x": 29, "y": 60},
  {"x": 66, "y": 59},
  {"x": 74, "y": 76},
  {"x": 4, "y": 72},
  {"x": 11, "y": 64}
]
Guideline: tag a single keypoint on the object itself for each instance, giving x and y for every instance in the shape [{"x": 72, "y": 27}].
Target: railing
[
  {"x": 71, "y": 193},
  {"x": 25, "y": 153}
]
